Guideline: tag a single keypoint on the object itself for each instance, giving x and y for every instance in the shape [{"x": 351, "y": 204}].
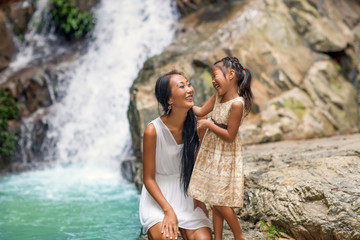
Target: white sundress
[{"x": 167, "y": 176}]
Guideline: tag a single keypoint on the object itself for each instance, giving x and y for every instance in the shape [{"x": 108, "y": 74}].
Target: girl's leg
[
  {"x": 203, "y": 233},
  {"x": 218, "y": 222},
  {"x": 231, "y": 218}
]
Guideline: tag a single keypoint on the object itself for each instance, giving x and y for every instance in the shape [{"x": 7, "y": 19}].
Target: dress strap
[{"x": 158, "y": 129}]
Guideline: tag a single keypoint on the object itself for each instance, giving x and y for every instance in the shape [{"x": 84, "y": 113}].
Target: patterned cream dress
[{"x": 218, "y": 176}]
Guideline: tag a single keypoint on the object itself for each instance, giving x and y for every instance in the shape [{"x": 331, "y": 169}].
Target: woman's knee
[
  {"x": 199, "y": 234},
  {"x": 157, "y": 236},
  {"x": 203, "y": 237},
  {"x": 154, "y": 233}
]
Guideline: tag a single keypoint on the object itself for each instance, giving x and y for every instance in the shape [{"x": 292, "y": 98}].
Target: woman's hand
[
  {"x": 203, "y": 124},
  {"x": 201, "y": 205},
  {"x": 170, "y": 225}
]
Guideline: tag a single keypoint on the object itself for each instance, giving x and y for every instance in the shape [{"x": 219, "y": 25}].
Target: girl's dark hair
[
  {"x": 189, "y": 133},
  {"x": 243, "y": 79}
]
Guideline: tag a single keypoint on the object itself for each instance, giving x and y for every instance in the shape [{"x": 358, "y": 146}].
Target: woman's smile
[{"x": 189, "y": 98}]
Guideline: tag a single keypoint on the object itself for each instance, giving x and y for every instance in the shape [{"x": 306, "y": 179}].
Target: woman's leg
[
  {"x": 203, "y": 233},
  {"x": 231, "y": 218},
  {"x": 154, "y": 233},
  {"x": 183, "y": 233},
  {"x": 218, "y": 223}
]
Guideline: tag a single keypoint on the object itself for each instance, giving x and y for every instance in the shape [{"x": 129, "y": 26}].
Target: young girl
[{"x": 218, "y": 177}]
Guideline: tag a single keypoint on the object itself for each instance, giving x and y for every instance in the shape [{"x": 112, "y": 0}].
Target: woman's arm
[
  {"x": 206, "y": 108},
  {"x": 198, "y": 203},
  {"x": 228, "y": 134},
  {"x": 170, "y": 222}
]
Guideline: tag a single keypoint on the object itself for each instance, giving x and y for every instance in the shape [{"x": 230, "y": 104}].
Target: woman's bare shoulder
[{"x": 150, "y": 131}]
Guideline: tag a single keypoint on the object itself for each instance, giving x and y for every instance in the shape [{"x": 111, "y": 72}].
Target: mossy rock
[{"x": 295, "y": 106}]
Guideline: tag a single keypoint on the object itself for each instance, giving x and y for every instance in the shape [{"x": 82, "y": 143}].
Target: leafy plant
[
  {"x": 7, "y": 143},
  {"x": 69, "y": 20},
  {"x": 21, "y": 37},
  {"x": 272, "y": 230},
  {"x": 8, "y": 110}
]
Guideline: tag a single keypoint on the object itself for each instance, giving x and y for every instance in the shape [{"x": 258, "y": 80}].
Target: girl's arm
[
  {"x": 206, "y": 108},
  {"x": 228, "y": 134},
  {"x": 170, "y": 222}
]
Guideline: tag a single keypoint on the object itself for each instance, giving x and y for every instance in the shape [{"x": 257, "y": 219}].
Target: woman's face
[{"x": 181, "y": 92}]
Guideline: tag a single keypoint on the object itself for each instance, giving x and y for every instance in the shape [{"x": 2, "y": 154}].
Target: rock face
[
  {"x": 29, "y": 152},
  {"x": 14, "y": 19},
  {"x": 303, "y": 55},
  {"x": 5, "y": 3},
  {"x": 19, "y": 15},
  {"x": 325, "y": 105},
  {"x": 35, "y": 90},
  {"x": 311, "y": 187},
  {"x": 6, "y": 44},
  {"x": 318, "y": 20},
  {"x": 31, "y": 89}
]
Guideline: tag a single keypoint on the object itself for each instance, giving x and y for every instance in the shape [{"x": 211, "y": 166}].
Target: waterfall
[
  {"x": 40, "y": 44},
  {"x": 88, "y": 134},
  {"x": 90, "y": 123}
]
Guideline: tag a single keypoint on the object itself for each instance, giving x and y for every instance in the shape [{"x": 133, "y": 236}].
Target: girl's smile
[
  {"x": 216, "y": 85},
  {"x": 219, "y": 80}
]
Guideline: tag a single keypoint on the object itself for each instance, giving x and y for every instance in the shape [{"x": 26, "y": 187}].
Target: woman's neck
[{"x": 176, "y": 118}]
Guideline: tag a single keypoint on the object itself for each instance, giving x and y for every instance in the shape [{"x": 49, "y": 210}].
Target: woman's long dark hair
[
  {"x": 243, "y": 79},
  {"x": 189, "y": 133}
]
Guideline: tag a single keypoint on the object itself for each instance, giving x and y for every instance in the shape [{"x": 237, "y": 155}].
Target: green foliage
[
  {"x": 7, "y": 143},
  {"x": 8, "y": 110},
  {"x": 21, "y": 37},
  {"x": 272, "y": 230},
  {"x": 69, "y": 20}
]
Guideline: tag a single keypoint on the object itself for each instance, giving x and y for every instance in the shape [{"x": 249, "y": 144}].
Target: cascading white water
[
  {"x": 85, "y": 196},
  {"x": 90, "y": 122},
  {"x": 40, "y": 42}
]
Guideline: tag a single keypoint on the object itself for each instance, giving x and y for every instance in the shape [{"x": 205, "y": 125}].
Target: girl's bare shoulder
[{"x": 237, "y": 105}]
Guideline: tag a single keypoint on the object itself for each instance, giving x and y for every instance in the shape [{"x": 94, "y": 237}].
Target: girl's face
[
  {"x": 222, "y": 83},
  {"x": 181, "y": 92}
]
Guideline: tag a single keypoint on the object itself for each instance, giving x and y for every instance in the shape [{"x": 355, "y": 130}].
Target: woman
[{"x": 169, "y": 147}]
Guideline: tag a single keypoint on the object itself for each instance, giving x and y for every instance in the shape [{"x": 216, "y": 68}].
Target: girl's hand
[
  {"x": 203, "y": 124},
  {"x": 201, "y": 205},
  {"x": 169, "y": 225}
]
